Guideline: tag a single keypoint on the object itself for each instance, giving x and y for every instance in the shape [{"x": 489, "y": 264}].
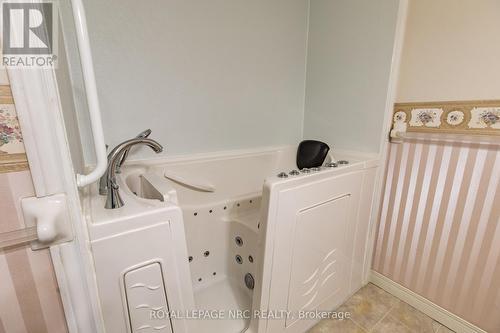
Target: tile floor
[{"x": 375, "y": 311}]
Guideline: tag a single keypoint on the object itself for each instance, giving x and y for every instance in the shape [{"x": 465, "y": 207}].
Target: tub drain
[{"x": 249, "y": 281}]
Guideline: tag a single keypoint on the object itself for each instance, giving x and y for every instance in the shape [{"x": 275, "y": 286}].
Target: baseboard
[{"x": 431, "y": 309}]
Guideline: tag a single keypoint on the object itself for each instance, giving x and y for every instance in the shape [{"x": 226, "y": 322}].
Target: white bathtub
[{"x": 301, "y": 240}]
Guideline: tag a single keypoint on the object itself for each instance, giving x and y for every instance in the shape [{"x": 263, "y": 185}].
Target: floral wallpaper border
[
  {"x": 460, "y": 117},
  {"x": 12, "y": 154}
]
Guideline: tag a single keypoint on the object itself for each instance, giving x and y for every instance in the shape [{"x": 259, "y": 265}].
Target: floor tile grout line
[
  {"x": 354, "y": 321},
  {"x": 383, "y": 317},
  {"x": 399, "y": 321},
  {"x": 408, "y": 327},
  {"x": 357, "y": 325}
]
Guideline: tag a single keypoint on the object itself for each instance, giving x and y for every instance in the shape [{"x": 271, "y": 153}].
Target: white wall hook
[{"x": 50, "y": 216}]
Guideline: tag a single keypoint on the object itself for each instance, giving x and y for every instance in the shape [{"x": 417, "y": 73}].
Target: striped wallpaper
[
  {"x": 439, "y": 228},
  {"x": 29, "y": 298}
]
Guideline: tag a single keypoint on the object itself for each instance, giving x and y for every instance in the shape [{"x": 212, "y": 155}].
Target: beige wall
[{"x": 451, "y": 51}]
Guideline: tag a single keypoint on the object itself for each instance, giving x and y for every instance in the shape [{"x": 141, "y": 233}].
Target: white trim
[
  {"x": 422, "y": 304},
  {"x": 40, "y": 116},
  {"x": 384, "y": 138}
]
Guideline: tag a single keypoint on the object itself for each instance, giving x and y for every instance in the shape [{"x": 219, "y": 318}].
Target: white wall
[
  {"x": 203, "y": 75},
  {"x": 349, "y": 61},
  {"x": 451, "y": 51}
]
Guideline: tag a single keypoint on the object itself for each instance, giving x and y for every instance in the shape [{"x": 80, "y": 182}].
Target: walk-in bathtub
[{"x": 231, "y": 242}]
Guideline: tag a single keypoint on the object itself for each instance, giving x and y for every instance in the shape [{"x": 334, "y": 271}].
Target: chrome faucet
[
  {"x": 143, "y": 134},
  {"x": 103, "y": 182},
  {"x": 113, "y": 199}
]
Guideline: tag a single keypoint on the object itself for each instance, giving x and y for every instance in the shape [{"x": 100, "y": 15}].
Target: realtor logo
[{"x": 29, "y": 32}]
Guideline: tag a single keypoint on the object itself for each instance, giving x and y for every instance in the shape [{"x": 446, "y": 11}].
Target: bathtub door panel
[
  {"x": 127, "y": 264},
  {"x": 314, "y": 224},
  {"x": 317, "y": 259}
]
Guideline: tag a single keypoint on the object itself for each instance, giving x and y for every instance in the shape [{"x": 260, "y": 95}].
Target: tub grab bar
[
  {"x": 196, "y": 185},
  {"x": 92, "y": 99}
]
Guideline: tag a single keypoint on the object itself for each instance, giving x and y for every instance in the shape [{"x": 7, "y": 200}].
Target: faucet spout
[
  {"x": 113, "y": 199},
  {"x": 143, "y": 134}
]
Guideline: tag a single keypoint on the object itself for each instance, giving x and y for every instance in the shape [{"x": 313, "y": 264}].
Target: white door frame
[{"x": 40, "y": 116}]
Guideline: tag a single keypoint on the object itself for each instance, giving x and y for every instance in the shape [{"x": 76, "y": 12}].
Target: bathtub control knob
[
  {"x": 331, "y": 165},
  {"x": 282, "y": 175},
  {"x": 294, "y": 173},
  {"x": 343, "y": 162}
]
